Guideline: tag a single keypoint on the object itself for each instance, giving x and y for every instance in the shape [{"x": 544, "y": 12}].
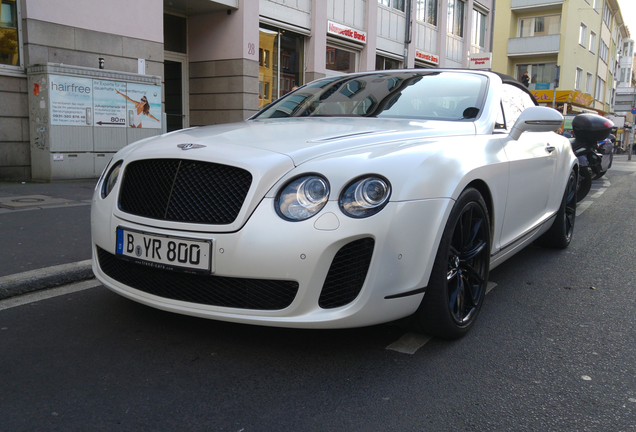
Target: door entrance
[{"x": 176, "y": 92}]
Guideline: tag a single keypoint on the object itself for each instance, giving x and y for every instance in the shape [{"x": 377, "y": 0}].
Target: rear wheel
[
  {"x": 457, "y": 285},
  {"x": 560, "y": 234},
  {"x": 584, "y": 184}
]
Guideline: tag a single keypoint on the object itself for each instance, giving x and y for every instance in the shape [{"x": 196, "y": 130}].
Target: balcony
[
  {"x": 537, "y": 45},
  {"x": 534, "y": 5}
]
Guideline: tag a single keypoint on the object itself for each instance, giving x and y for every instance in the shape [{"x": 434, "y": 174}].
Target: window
[
  {"x": 341, "y": 60},
  {"x": 479, "y": 29},
  {"x": 10, "y": 40},
  {"x": 583, "y": 34},
  {"x": 427, "y": 11},
  {"x": 280, "y": 63},
  {"x": 623, "y": 75},
  {"x": 539, "y": 73},
  {"x": 395, "y": 4},
  {"x": 385, "y": 63},
  {"x": 600, "y": 88},
  {"x": 539, "y": 26},
  {"x": 596, "y": 3},
  {"x": 588, "y": 84},
  {"x": 514, "y": 102},
  {"x": 578, "y": 78},
  {"x": 398, "y": 4},
  {"x": 592, "y": 42},
  {"x": 607, "y": 14},
  {"x": 456, "y": 17},
  {"x": 603, "y": 51},
  {"x": 608, "y": 93}
]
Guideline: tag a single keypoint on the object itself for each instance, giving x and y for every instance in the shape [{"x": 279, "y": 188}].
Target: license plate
[{"x": 165, "y": 252}]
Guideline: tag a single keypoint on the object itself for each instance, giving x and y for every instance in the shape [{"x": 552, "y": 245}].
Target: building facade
[
  {"x": 219, "y": 61},
  {"x": 581, "y": 37}
]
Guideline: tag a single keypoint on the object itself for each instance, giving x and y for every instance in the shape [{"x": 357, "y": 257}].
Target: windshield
[{"x": 412, "y": 95}]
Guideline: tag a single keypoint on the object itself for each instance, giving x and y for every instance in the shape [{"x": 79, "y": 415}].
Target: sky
[{"x": 628, "y": 10}]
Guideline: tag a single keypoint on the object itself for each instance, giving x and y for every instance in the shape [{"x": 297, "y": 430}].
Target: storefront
[{"x": 280, "y": 62}]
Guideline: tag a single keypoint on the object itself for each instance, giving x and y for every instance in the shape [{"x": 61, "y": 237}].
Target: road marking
[
  {"x": 12, "y": 302},
  {"x": 410, "y": 342},
  {"x": 584, "y": 205}
]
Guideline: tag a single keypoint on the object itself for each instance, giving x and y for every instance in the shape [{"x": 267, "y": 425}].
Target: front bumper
[{"x": 404, "y": 238}]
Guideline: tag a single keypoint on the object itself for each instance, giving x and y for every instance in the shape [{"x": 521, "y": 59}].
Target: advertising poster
[
  {"x": 143, "y": 104},
  {"x": 71, "y": 100},
  {"x": 109, "y": 108}
]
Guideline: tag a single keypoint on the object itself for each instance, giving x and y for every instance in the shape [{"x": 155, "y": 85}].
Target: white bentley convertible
[{"x": 354, "y": 200}]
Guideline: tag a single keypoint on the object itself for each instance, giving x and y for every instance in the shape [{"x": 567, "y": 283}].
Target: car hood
[{"x": 302, "y": 139}]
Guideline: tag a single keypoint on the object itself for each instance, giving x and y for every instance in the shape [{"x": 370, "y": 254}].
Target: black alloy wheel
[{"x": 459, "y": 278}]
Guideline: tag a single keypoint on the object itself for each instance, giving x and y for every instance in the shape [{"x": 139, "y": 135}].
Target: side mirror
[{"x": 537, "y": 119}]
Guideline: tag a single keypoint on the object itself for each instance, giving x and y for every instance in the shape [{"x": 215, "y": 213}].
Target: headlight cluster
[
  {"x": 111, "y": 179},
  {"x": 305, "y": 196},
  {"x": 365, "y": 197}
]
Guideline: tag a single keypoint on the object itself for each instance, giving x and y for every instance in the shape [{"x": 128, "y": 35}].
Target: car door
[{"x": 532, "y": 161}]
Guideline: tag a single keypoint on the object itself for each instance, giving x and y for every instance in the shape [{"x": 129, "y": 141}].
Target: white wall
[{"x": 141, "y": 19}]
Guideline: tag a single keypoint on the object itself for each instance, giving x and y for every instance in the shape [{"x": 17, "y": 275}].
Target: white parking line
[
  {"x": 47, "y": 294},
  {"x": 410, "y": 342}
]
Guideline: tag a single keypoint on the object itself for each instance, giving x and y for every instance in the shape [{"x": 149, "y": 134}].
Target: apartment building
[
  {"x": 582, "y": 37},
  {"x": 218, "y": 61}
]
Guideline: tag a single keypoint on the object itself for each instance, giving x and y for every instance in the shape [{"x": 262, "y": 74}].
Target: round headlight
[
  {"x": 111, "y": 179},
  {"x": 302, "y": 198},
  {"x": 365, "y": 197}
]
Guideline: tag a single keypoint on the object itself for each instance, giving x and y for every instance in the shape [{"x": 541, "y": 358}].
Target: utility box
[{"x": 79, "y": 117}]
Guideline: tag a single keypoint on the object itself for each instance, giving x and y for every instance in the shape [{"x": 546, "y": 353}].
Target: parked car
[{"x": 354, "y": 200}]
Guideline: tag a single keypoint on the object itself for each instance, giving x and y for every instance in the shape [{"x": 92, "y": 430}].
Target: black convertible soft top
[{"x": 512, "y": 81}]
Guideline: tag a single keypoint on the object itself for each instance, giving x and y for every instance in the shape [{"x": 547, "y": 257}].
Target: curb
[{"x": 49, "y": 277}]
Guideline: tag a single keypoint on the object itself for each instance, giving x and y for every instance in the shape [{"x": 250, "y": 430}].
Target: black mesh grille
[
  {"x": 184, "y": 190},
  {"x": 347, "y": 274},
  {"x": 258, "y": 294}
]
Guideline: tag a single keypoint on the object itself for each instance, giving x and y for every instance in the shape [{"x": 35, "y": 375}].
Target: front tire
[{"x": 457, "y": 284}]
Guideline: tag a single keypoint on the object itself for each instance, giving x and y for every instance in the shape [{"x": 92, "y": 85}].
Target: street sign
[{"x": 633, "y": 110}]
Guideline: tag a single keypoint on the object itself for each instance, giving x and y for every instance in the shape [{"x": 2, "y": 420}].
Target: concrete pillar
[
  {"x": 317, "y": 43},
  {"x": 223, "y": 54},
  {"x": 367, "y": 56}
]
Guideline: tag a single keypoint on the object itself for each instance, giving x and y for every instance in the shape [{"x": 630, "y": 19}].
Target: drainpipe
[{"x": 407, "y": 32}]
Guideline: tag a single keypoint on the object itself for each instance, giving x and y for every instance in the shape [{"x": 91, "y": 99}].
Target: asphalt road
[{"x": 554, "y": 349}]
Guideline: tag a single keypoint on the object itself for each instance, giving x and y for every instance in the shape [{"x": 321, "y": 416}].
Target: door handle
[{"x": 550, "y": 148}]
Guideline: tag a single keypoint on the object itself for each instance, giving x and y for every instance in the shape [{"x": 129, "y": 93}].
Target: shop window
[
  {"x": 280, "y": 63},
  {"x": 385, "y": 63},
  {"x": 340, "y": 60},
  {"x": 9, "y": 34}
]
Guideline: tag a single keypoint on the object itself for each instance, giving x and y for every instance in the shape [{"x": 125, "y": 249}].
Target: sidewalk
[{"x": 45, "y": 233}]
